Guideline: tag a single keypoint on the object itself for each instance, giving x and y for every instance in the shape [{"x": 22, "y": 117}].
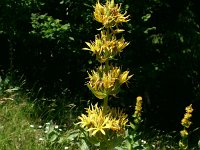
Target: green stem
[
  {"x": 105, "y": 104},
  {"x": 107, "y": 65}
]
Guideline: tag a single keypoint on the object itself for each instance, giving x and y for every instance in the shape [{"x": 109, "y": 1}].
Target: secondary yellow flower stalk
[
  {"x": 186, "y": 119},
  {"x": 95, "y": 121},
  {"x": 138, "y": 110},
  {"x": 104, "y": 82},
  {"x": 109, "y": 14},
  {"x": 106, "y": 46},
  {"x": 185, "y": 122}
]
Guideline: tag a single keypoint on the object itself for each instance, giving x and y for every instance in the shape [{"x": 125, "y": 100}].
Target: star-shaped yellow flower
[{"x": 96, "y": 121}]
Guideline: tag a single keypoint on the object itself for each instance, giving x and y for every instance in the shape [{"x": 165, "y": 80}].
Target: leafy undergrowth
[{"x": 23, "y": 128}]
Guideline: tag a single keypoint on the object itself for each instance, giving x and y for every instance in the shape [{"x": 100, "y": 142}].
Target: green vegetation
[
  {"x": 23, "y": 128},
  {"x": 15, "y": 129},
  {"x": 43, "y": 71}
]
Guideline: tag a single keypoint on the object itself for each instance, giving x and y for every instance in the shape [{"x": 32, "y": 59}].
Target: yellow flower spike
[
  {"x": 185, "y": 122},
  {"x": 138, "y": 111},
  {"x": 106, "y": 79},
  {"x": 186, "y": 119}
]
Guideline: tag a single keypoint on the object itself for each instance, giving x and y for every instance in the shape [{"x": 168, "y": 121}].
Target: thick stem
[
  {"x": 107, "y": 65},
  {"x": 105, "y": 104}
]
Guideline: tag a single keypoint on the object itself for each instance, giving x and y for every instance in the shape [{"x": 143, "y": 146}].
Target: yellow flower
[
  {"x": 84, "y": 119},
  {"x": 106, "y": 46},
  {"x": 95, "y": 121},
  {"x": 186, "y": 119},
  {"x": 184, "y": 133},
  {"x": 138, "y": 110},
  {"x": 119, "y": 119},
  {"x": 123, "y": 78},
  {"x": 106, "y": 81},
  {"x": 109, "y": 14},
  {"x": 189, "y": 109},
  {"x": 138, "y": 106},
  {"x": 139, "y": 98},
  {"x": 183, "y": 143}
]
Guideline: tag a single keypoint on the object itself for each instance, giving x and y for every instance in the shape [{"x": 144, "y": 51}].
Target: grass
[
  {"x": 15, "y": 130},
  {"x": 21, "y": 129}
]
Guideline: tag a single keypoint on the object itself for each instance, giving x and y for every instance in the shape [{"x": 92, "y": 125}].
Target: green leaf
[
  {"x": 71, "y": 38},
  {"x": 65, "y": 27},
  {"x": 83, "y": 145},
  {"x": 53, "y": 138},
  {"x": 89, "y": 62},
  {"x": 149, "y": 29},
  {"x": 132, "y": 126},
  {"x": 146, "y": 17}
]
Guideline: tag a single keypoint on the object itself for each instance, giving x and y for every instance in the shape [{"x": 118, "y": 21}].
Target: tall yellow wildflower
[
  {"x": 185, "y": 122},
  {"x": 106, "y": 79},
  {"x": 138, "y": 111}
]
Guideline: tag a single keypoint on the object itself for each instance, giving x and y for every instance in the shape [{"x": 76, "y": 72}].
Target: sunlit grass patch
[{"x": 15, "y": 127}]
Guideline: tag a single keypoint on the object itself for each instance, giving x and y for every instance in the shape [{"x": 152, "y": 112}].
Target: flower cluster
[
  {"x": 186, "y": 119},
  {"x": 185, "y": 122},
  {"x": 109, "y": 14},
  {"x": 95, "y": 121},
  {"x": 138, "y": 110},
  {"x": 106, "y": 81},
  {"x": 106, "y": 46}
]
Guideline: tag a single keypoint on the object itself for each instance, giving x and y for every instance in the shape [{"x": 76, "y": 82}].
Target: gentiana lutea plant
[
  {"x": 104, "y": 125},
  {"x": 185, "y": 122},
  {"x": 137, "y": 114}
]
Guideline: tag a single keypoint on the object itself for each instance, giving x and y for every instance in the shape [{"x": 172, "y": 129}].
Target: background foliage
[{"x": 42, "y": 41}]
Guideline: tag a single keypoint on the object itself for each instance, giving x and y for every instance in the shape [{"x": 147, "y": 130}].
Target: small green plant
[
  {"x": 185, "y": 122},
  {"x": 50, "y": 135},
  {"x": 47, "y": 27}
]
